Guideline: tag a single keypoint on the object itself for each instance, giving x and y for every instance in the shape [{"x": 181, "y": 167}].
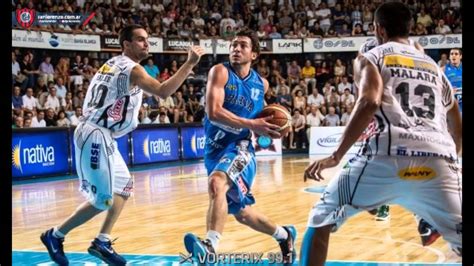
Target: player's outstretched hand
[
  {"x": 194, "y": 54},
  {"x": 313, "y": 171},
  {"x": 261, "y": 126}
]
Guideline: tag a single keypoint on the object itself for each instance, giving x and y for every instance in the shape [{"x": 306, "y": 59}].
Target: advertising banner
[
  {"x": 266, "y": 145},
  {"x": 215, "y": 46},
  {"x": 176, "y": 45},
  {"x": 109, "y": 42},
  {"x": 287, "y": 46},
  {"x": 41, "y": 153},
  {"x": 57, "y": 41},
  {"x": 193, "y": 141},
  {"x": 155, "y": 145},
  {"x": 156, "y": 45},
  {"x": 325, "y": 140}
]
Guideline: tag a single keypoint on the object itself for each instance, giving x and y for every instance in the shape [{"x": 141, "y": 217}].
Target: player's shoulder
[{"x": 219, "y": 69}]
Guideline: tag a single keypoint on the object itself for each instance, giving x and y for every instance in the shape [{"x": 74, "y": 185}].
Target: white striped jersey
[
  {"x": 110, "y": 101},
  {"x": 411, "y": 120}
]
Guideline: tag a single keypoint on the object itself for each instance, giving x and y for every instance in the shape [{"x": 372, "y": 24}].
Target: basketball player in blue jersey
[
  {"x": 234, "y": 97},
  {"x": 414, "y": 130},
  {"x": 111, "y": 108},
  {"x": 453, "y": 71}
]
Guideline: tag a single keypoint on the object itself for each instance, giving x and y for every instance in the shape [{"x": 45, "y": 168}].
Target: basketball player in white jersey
[
  {"x": 428, "y": 234},
  {"x": 410, "y": 155},
  {"x": 111, "y": 110}
]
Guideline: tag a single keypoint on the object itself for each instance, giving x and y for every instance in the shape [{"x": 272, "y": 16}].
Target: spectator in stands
[
  {"x": 294, "y": 73},
  {"x": 180, "y": 113},
  {"x": 424, "y": 18},
  {"x": 371, "y": 30},
  {"x": 313, "y": 119},
  {"x": 442, "y": 28},
  {"x": 316, "y": 30},
  {"x": 60, "y": 88},
  {"x": 297, "y": 133},
  {"x": 78, "y": 100},
  {"x": 302, "y": 86},
  {"x": 17, "y": 76},
  {"x": 62, "y": 70},
  {"x": 164, "y": 75},
  {"x": 367, "y": 16},
  {"x": 311, "y": 14},
  {"x": 333, "y": 100},
  {"x": 17, "y": 100},
  {"x": 458, "y": 28},
  {"x": 324, "y": 15},
  {"x": 152, "y": 69},
  {"x": 62, "y": 120},
  {"x": 339, "y": 68},
  {"x": 299, "y": 101},
  {"x": 30, "y": 103},
  {"x": 18, "y": 122},
  {"x": 53, "y": 102},
  {"x": 38, "y": 120},
  {"x": 344, "y": 84},
  {"x": 162, "y": 118},
  {"x": 308, "y": 73},
  {"x": 285, "y": 22},
  {"x": 263, "y": 69},
  {"x": 284, "y": 98},
  {"x": 174, "y": 67},
  {"x": 76, "y": 71},
  {"x": 274, "y": 34},
  {"x": 46, "y": 69},
  {"x": 26, "y": 122},
  {"x": 275, "y": 73},
  {"x": 315, "y": 99},
  {"x": 87, "y": 69},
  {"x": 227, "y": 20},
  {"x": 68, "y": 104},
  {"x": 28, "y": 69},
  {"x": 75, "y": 119},
  {"x": 339, "y": 18},
  {"x": 357, "y": 30},
  {"x": 331, "y": 33},
  {"x": 344, "y": 31},
  {"x": 346, "y": 115},
  {"x": 261, "y": 33},
  {"x": 327, "y": 89},
  {"x": 443, "y": 60},
  {"x": 269, "y": 97},
  {"x": 172, "y": 32},
  {"x": 332, "y": 119},
  {"x": 347, "y": 99},
  {"x": 420, "y": 29},
  {"x": 356, "y": 16}
]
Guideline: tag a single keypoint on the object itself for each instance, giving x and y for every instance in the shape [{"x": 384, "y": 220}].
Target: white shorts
[
  {"x": 429, "y": 187},
  {"x": 100, "y": 167}
]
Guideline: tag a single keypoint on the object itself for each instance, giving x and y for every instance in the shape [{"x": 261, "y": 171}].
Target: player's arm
[
  {"x": 215, "y": 94},
  {"x": 368, "y": 79},
  {"x": 141, "y": 78},
  {"x": 455, "y": 125}
]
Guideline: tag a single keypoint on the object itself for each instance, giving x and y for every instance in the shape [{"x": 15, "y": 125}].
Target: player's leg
[
  {"x": 437, "y": 197},
  {"x": 101, "y": 246},
  {"x": 90, "y": 144},
  {"x": 428, "y": 233},
  {"x": 363, "y": 184}
]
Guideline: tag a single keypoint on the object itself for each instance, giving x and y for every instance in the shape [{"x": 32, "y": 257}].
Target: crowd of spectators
[{"x": 199, "y": 19}]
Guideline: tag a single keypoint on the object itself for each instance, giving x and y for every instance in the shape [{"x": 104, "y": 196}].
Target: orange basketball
[{"x": 281, "y": 117}]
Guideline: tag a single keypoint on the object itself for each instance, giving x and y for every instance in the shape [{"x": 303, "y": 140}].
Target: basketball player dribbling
[
  {"x": 234, "y": 97},
  {"x": 410, "y": 157},
  {"x": 111, "y": 110}
]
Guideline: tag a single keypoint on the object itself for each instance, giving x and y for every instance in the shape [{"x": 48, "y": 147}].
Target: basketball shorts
[
  {"x": 100, "y": 167},
  {"x": 240, "y": 166},
  {"x": 427, "y": 186}
]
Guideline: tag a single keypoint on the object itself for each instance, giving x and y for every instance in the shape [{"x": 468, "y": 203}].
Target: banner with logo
[
  {"x": 266, "y": 46},
  {"x": 156, "y": 45},
  {"x": 122, "y": 144},
  {"x": 265, "y": 146},
  {"x": 287, "y": 46},
  {"x": 57, "y": 41},
  {"x": 173, "y": 45},
  {"x": 152, "y": 145},
  {"x": 352, "y": 44},
  {"x": 109, "y": 42},
  {"x": 42, "y": 153},
  {"x": 217, "y": 46},
  {"x": 193, "y": 140},
  {"x": 325, "y": 140}
]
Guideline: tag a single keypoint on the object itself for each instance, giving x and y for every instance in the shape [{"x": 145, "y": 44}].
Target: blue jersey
[
  {"x": 243, "y": 97},
  {"x": 454, "y": 75}
]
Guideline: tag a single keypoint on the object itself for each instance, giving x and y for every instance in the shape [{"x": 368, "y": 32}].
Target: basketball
[{"x": 281, "y": 117}]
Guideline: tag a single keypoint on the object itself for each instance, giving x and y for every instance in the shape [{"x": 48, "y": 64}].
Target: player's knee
[
  {"x": 217, "y": 184},
  {"x": 102, "y": 204},
  {"x": 241, "y": 217}
]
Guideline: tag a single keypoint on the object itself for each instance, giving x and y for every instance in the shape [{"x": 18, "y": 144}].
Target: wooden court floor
[{"x": 170, "y": 201}]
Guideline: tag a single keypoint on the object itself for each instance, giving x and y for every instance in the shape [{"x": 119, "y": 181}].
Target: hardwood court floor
[{"x": 171, "y": 201}]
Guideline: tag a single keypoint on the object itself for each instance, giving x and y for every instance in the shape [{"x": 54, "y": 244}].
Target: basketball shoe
[
  {"x": 287, "y": 246},
  {"x": 427, "y": 233},
  {"x": 105, "y": 252},
  {"x": 383, "y": 213},
  {"x": 55, "y": 247}
]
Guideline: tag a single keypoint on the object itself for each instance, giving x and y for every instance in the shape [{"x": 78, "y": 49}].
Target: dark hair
[
  {"x": 126, "y": 33},
  {"x": 253, "y": 37},
  {"x": 395, "y": 18},
  {"x": 459, "y": 50}
]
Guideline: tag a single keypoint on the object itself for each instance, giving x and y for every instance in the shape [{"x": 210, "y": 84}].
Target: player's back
[
  {"x": 416, "y": 97},
  {"x": 109, "y": 102},
  {"x": 244, "y": 97}
]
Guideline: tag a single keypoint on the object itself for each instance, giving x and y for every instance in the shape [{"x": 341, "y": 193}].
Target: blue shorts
[{"x": 240, "y": 166}]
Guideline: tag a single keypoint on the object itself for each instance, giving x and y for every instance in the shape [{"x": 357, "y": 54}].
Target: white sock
[
  {"x": 214, "y": 237},
  {"x": 104, "y": 237},
  {"x": 280, "y": 233},
  {"x": 57, "y": 233}
]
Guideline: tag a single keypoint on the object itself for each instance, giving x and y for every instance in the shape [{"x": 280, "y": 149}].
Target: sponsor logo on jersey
[
  {"x": 32, "y": 155},
  {"x": 417, "y": 173},
  {"x": 95, "y": 152},
  {"x": 242, "y": 186},
  {"x": 115, "y": 112}
]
